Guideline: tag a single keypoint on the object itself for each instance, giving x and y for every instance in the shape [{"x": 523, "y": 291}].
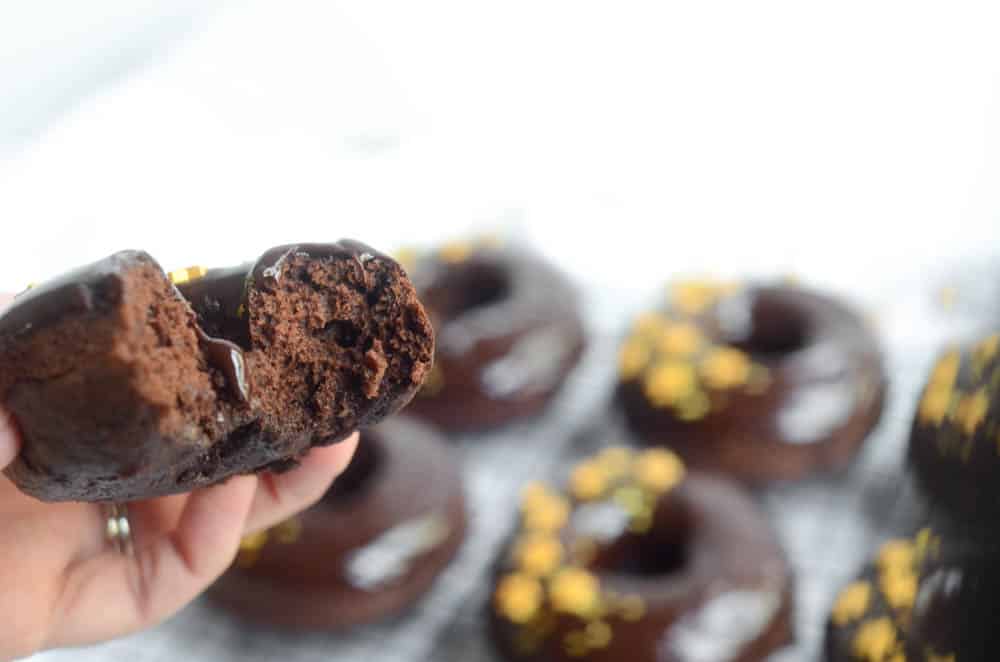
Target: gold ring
[{"x": 118, "y": 529}]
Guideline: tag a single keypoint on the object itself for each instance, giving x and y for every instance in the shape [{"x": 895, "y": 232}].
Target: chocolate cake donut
[
  {"x": 122, "y": 392},
  {"x": 639, "y": 562},
  {"x": 934, "y": 597},
  {"x": 759, "y": 382},
  {"x": 508, "y": 329},
  {"x": 372, "y": 546}
]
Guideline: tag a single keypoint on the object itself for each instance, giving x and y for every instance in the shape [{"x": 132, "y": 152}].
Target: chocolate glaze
[
  {"x": 706, "y": 581},
  {"x": 403, "y": 480},
  {"x": 509, "y": 332},
  {"x": 142, "y": 399},
  {"x": 824, "y": 390}
]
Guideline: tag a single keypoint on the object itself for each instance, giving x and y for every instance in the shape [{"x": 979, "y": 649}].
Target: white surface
[{"x": 847, "y": 141}]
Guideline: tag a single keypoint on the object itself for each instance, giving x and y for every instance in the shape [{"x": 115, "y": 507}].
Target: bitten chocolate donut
[
  {"x": 639, "y": 563},
  {"x": 758, "y": 382},
  {"x": 120, "y": 393},
  {"x": 953, "y": 453},
  {"x": 508, "y": 330},
  {"x": 925, "y": 599},
  {"x": 371, "y": 547}
]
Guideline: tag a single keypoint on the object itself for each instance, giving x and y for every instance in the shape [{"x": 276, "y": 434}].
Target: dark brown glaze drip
[
  {"x": 509, "y": 332},
  {"x": 400, "y": 499},
  {"x": 227, "y": 358},
  {"x": 779, "y": 382},
  {"x": 654, "y": 567}
]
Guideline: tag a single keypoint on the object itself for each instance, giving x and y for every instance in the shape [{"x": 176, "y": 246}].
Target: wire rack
[{"x": 827, "y": 526}]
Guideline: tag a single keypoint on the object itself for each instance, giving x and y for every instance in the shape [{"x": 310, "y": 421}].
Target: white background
[{"x": 846, "y": 142}]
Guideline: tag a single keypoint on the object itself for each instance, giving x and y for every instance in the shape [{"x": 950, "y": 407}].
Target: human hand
[{"x": 62, "y": 583}]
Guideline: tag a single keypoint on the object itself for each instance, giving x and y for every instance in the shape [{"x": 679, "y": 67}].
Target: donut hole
[
  {"x": 778, "y": 327},
  {"x": 663, "y": 550},
  {"x": 653, "y": 558},
  {"x": 359, "y": 474},
  {"x": 470, "y": 287}
]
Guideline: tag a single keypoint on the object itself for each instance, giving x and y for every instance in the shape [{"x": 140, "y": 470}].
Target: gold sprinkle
[
  {"x": 454, "y": 252},
  {"x": 533, "y": 493},
  {"x": 598, "y": 634},
  {"x": 241, "y": 310},
  {"x": 288, "y": 531},
  {"x": 658, "y": 470},
  {"x": 574, "y": 591},
  {"x": 538, "y": 554},
  {"x": 642, "y": 521},
  {"x": 899, "y": 586},
  {"x": 851, "y": 604},
  {"x": 631, "y": 499},
  {"x": 946, "y": 369},
  {"x": 679, "y": 339},
  {"x": 253, "y": 541},
  {"x": 633, "y": 357},
  {"x": 972, "y": 410},
  {"x": 987, "y": 348},
  {"x": 588, "y": 481},
  {"x": 669, "y": 382},
  {"x": 632, "y": 608},
  {"x": 693, "y": 297},
  {"x": 875, "y": 640},
  {"x": 896, "y": 554},
  {"x": 649, "y": 325},
  {"x": 926, "y": 544},
  {"x": 616, "y": 461},
  {"x": 518, "y": 597},
  {"x": 694, "y": 407},
  {"x": 935, "y": 403},
  {"x": 726, "y": 367},
  {"x": 547, "y": 514},
  {"x": 181, "y": 276}
]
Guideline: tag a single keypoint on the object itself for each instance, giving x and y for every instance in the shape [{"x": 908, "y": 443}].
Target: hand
[{"x": 62, "y": 584}]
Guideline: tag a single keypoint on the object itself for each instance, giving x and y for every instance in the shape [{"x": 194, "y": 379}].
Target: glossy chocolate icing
[
  {"x": 373, "y": 545},
  {"x": 640, "y": 562},
  {"x": 509, "y": 332},
  {"x": 758, "y": 382},
  {"x": 146, "y": 395}
]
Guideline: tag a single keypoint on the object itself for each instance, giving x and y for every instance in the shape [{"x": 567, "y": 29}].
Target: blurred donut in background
[
  {"x": 639, "y": 560},
  {"x": 371, "y": 547},
  {"x": 759, "y": 382},
  {"x": 508, "y": 328}
]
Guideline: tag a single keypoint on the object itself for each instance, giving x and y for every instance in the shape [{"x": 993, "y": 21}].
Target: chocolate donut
[
  {"x": 508, "y": 329},
  {"x": 638, "y": 562},
  {"x": 121, "y": 392},
  {"x": 758, "y": 382},
  {"x": 370, "y": 548},
  {"x": 953, "y": 452},
  {"x": 924, "y": 599}
]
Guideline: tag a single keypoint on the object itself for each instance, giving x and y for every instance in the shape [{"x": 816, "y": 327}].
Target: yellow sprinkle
[
  {"x": 548, "y": 514},
  {"x": 253, "y": 541},
  {"x": 574, "y": 591},
  {"x": 658, "y": 470},
  {"x": 972, "y": 410},
  {"x": 680, "y": 339},
  {"x": 926, "y": 544},
  {"x": 946, "y": 369},
  {"x": 642, "y": 522},
  {"x": 875, "y": 640},
  {"x": 180, "y": 276},
  {"x": 899, "y": 586},
  {"x": 632, "y": 608},
  {"x": 726, "y": 367},
  {"x": 598, "y": 634},
  {"x": 669, "y": 382},
  {"x": 615, "y": 460},
  {"x": 896, "y": 554},
  {"x": 518, "y": 597},
  {"x": 987, "y": 348},
  {"x": 851, "y": 604},
  {"x": 934, "y": 404},
  {"x": 694, "y": 407},
  {"x": 533, "y": 493},
  {"x": 693, "y": 297},
  {"x": 631, "y": 499},
  {"x": 538, "y": 554},
  {"x": 588, "y": 481},
  {"x": 455, "y": 251},
  {"x": 649, "y": 325},
  {"x": 633, "y": 357},
  {"x": 288, "y": 531}
]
